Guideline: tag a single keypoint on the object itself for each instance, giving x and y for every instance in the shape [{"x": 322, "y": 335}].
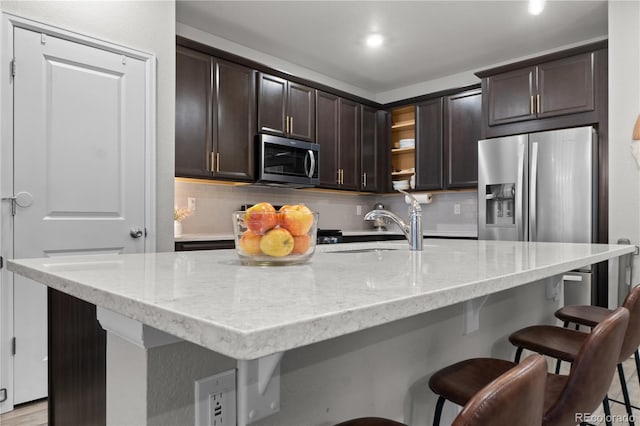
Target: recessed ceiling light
[
  {"x": 536, "y": 6},
  {"x": 374, "y": 40}
]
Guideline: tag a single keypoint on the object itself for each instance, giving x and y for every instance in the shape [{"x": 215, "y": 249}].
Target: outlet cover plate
[{"x": 215, "y": 400}]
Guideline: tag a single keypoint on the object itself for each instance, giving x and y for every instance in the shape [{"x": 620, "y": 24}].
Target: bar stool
[
  {"x": 564, "y": 344},
  {"x": 514, "y": 398},
  {"x": 590, "y": 316},
  {"x": 565, "y": 396}
]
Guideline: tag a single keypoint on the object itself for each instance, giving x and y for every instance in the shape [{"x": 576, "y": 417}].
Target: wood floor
[
  {"x": 35, "y": 413},
  {"x": 31, "y": 414}
]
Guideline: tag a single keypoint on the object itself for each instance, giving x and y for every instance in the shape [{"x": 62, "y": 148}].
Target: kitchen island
[{"x": 377, "y": 294}]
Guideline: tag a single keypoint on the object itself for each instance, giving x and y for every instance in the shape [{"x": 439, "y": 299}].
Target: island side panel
[{"x": 382, "y": 371}]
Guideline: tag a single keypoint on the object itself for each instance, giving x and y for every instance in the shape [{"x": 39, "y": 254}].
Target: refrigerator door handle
[
  {"x": 533, "y": 226},
  {"x": 519, "y": 202}
]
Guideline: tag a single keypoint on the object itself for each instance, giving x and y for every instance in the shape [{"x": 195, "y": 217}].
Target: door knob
[{"x": 136, "y": 233}]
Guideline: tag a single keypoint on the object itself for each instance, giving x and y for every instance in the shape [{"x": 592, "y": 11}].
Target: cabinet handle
[
  {"x": 341, "y": 176},
  {"x": 338, "y": 178},
  {"x": 287, "y": 124},
  {"x": 364, "y": 180},
  {"x": 212, "y": 162},
  {"x": 290, "y": 124},
  {"x": 538, "y": 104},
  {"x": 531, "y": 107},
  {"x": 217, "y": 162}
]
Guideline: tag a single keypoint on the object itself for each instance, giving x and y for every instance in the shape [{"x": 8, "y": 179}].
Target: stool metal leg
[
  {"x": 607, "y": 410},
  {"x": 636, "y": 355},
  {"x": 625, "y": 394},
  {"x": 438, "y": 413},
  {"x": 518, "y": 355}
]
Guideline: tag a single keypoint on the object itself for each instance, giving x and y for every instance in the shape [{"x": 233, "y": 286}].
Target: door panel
[
  {"x": 462, "y": 132},
  {"x": 235, "y": 115},
  {"x": 369, "y": 148},
  {"x": 502, "y": 167},
  {"x": 79, "y": 150},
  {"x": 429, "y": 121},
  {"x": 349, "y": 143},
  {"x": 562, "y": 205},
  {"x": 194, "y": 91},
  {"x": 511, "y": 96},
  {"x": 272, "y": 98},
  {"x": 302, "y": 112},
  {"x": 566, "y": 86},
  {"x": 327, "y": 138}
]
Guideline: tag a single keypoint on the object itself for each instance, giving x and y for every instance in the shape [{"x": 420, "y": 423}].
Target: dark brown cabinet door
[
  {"x": 286, "y": 108},
  {"x": 327, "y": 138},
  {"x": 194, "y": 120},
  {"x": 369, "y": 150},
  {"x": 511, "y": 96},
  {"x": 429, "y": 116},
  {"x": 349, "y": 144},
  {"x": 461, "y": 135},
  {"x": 272, "y": 104},
  {"x": 301, "y": 112},
  {"x": 234, "y": 138},
  {"x": 566, "y": 86}
]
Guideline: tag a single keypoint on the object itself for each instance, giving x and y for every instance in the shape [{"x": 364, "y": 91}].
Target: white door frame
[{"x": 7, "y": 25}]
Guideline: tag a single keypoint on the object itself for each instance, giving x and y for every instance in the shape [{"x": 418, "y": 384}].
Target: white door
[{"x": 79, "y": 165}]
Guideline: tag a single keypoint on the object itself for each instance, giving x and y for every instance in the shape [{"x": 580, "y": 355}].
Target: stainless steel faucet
[{"x": 411, "y": 230}]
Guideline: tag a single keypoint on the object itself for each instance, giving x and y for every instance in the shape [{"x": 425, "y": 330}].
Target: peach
[
  {"x": 261, "y": 217},
  {"x": 277, "y": 243},
  {"x": 250, "y": 243},
  {"x": 296, "y": 219},
  {"x": 301, "y": 244}
]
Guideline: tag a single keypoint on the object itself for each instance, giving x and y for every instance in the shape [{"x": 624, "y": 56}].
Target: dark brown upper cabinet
[
  {"x": 208, "y": 90},
  {"x": 286, "y": 108},
  {"x": 369, "y": 149},
  {"x": 429, "y": 160},
  {"x": 462, "y": 118},
  {"x": 338, "y": 134},
  {"x": 560, "y": 87},
  {"x": 194, "y": 118}
]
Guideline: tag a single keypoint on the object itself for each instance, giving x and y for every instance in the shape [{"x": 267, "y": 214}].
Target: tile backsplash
[{"x": 215, "y": 202}]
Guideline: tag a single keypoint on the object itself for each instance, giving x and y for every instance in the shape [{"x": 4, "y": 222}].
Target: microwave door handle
[{"x": 312, "y": 168}]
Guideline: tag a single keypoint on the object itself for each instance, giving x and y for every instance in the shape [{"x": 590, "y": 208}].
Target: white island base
[{"x": 361, "y": 331}]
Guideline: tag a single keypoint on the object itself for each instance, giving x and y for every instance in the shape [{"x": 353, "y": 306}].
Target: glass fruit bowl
[{"x": 265, "y": 236}]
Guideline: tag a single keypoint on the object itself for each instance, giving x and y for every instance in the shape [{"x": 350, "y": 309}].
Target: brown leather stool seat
[
  {"x": 564, "y": 344},
  {"x": 565, "y": 396},
  {"x": 516, "y": 397}
]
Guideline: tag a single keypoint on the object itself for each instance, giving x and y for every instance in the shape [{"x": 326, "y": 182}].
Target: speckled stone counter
[{"x": 246, "y": 312}]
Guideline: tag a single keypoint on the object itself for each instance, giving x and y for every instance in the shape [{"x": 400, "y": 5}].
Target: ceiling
[{"x": 425, "y": 40}]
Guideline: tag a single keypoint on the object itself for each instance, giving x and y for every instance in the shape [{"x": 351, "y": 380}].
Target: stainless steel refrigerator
[{"x": 539, "y": 187}]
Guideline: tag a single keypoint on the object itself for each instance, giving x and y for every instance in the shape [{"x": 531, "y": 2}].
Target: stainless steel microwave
[{"x": 287, "y": 162}]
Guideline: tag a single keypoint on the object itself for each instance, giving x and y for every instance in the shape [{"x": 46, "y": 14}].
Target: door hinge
[
  {"x": 3, "y": 395},
  {"x": 13, "y": 67},
  {"x": 13, "y": 346}
]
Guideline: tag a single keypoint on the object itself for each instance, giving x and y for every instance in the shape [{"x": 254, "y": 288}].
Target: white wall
[
  {"x": 624, "y": 107},
  {"x": 148, "y": 26}
]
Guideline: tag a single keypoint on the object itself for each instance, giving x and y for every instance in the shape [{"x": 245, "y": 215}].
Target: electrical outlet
[
  {"x": 215, "y": 403},
  {"x": 191, "y": 204},
  {"x": 456, "y": 209}
]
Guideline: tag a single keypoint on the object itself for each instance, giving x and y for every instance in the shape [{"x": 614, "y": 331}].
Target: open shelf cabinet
[{"x": 403, "y": 159}]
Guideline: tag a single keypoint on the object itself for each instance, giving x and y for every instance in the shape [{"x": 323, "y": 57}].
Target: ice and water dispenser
[{"x": 500, "y": 199}]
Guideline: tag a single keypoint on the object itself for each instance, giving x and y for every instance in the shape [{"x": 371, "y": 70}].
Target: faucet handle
[{"x": 415, "y": 205}]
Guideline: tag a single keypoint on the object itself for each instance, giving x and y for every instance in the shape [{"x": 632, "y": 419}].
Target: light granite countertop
[{"x": 246, "y": 312}]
